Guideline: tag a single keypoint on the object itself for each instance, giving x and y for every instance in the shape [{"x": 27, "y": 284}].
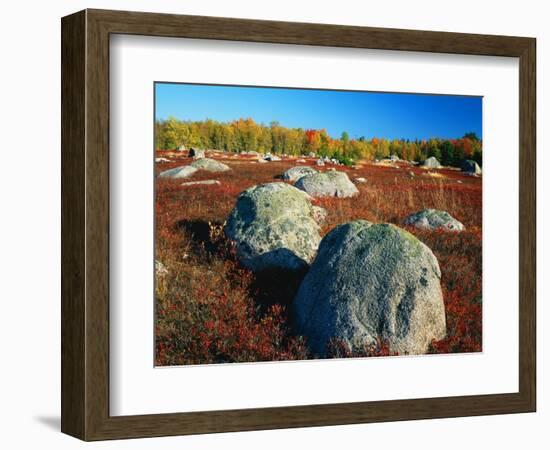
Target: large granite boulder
[
  {"x": 434, "y": 219},
  {"x": 371, "y": 283},
  {"x": 273, "y": 226},
  {"x": 327, "y": 184},
  {"x": 295, "y": 173},
  {"x": 179, "y": 172},
  {"x": 470, "y": 167},
  {"x": 210, "y": 165},
  {"x": 431, "y": 163}
]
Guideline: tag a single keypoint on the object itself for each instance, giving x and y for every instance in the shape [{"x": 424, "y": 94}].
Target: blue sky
[{"x": 369, "y": 114}]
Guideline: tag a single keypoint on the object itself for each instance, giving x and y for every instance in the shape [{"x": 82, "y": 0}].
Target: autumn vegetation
[
  {"x": 245, "y": 135},
  {"x": 209, "y": 309}
]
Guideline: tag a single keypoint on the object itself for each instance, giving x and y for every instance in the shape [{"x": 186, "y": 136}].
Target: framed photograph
[{"x": 273, "y": 225}]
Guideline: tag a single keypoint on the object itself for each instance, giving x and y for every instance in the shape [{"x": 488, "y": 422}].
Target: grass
[{"x": 211, "y": 310}]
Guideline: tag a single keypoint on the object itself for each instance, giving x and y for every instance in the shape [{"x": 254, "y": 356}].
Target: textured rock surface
[
  {"x": 328, "y": 184},
  {"x": 210, "y": 165},
  {"x": 371, "y": 282},
  {"x": 470, "y": 167},
  {"x": 178, "y": 172},
  {"x": 273, "y": 226},
  {"x": 434, "y": 219},
  {"x": 431, "y": 163},
  {"x": 319, "y": 215},
  {"x": 295, "y": 173}
]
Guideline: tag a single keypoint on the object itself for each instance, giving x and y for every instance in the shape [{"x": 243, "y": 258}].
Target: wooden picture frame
[{"x": 85, "y": 224}]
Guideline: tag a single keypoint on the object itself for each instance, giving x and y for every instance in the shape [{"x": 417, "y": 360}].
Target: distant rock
[
  {"x": 179, "y": 172},
  {"x": 210, "y": 165},
  {"x": 295, "y": 173},
  {"x": 160, "y": 160},
  {"x": 181, "y": 148},
  {"x": 360, "y": 180},
  {"x": 196, "y": 153},
  {"x": 270, "y": 157},
  {"x": 199, "y": 183},
  {"x": 327, "y": 184},
  {"x": 320, "y": 162},
  {"x": 301, "y": 160},
  {"x": 470, "y": 167},
  {"x": 273, "y": 226},
  {"x": 394, "y": 158},
  {"x": 312, "y": 154},
  {"x": 261, "y": 160},
  {"x": 371, "y": 283},
  {"x": 434, "y": 219},
  {"x": 431, "y": 163}
]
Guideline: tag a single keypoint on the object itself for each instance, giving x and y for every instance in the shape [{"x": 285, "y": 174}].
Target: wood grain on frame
[{"x": 85, "y": 224}]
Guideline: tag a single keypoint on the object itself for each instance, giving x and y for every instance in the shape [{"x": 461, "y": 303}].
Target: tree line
[{"x": 244, "y": 135}]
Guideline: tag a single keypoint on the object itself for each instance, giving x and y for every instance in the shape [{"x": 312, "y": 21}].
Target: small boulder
[
  {"x": 272, "y": 158},
  {"x": 360, "y": 180},
  {"x": 434, "y": 219},
  {"x": 371, "y": 283},
  {"x": 320, "y": 162},
  {"x": 295, "y": 173},
  {"x": 327, "y": 184},
  {"x": 160, "y": 269},
  {"x": 394, "y": 158},
  {"x": 161, "y": 160},
  {"x": 273, "y": 226},
  {"x": 196, "y": 153},
  {"x": 201, "y": 183},
  {"x": 181, "y": 148},
  {"x": 210, "y": 165},
  {"x": 470, "y": 167},
  {"x": 301, "y": 160},
  {"x": 431, "y": 163},
  {"x": 179, "y": 172},
  {"x": 262, "y": 161}
]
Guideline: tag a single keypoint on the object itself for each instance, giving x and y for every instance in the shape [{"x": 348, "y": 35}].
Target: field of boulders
[{"x": 274, "y": 257}]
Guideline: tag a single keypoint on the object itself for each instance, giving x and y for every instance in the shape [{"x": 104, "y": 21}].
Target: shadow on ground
[{"x": 51, "y": 422}]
